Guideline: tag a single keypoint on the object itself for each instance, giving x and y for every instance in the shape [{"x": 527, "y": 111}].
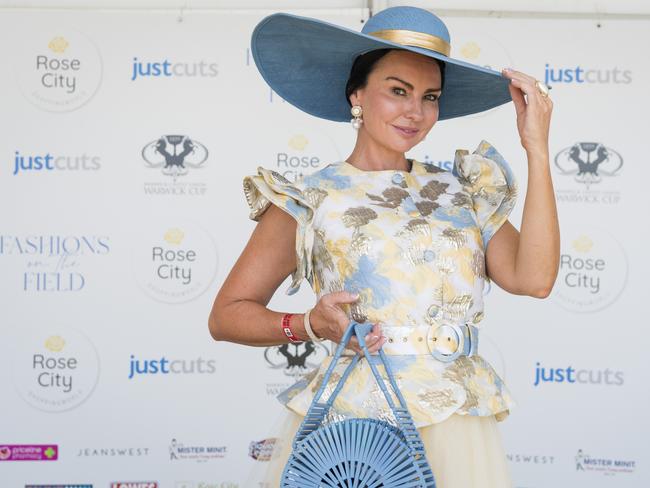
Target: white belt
[{"x": 445, "y": 341}]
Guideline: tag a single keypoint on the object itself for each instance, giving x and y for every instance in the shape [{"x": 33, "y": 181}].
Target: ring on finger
[{"x": 542, "y": 88}]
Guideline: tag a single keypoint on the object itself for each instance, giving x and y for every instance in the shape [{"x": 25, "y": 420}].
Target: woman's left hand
[{"x": 533, "y": 111}]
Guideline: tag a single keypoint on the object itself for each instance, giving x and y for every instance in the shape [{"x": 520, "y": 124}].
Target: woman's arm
[
  {"x": 239, "y": 312},
  {"x": 526, "y": 262}
]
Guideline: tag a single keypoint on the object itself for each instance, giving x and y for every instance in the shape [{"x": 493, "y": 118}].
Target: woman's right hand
[{"x": 329, "y": 321}]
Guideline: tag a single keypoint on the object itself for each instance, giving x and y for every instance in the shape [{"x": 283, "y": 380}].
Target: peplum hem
[{"x": 433, "y": 390}]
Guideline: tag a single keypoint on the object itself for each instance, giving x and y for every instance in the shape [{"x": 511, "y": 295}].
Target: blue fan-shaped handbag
[{"x": 357, "y": 452}]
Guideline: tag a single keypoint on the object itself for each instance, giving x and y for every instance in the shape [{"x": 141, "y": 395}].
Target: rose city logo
[
  {"x": 606, "y": 466},
  {"x": 174, "y": 156},
  {"x": 589, "y": 164},
  {"x": 175, "y": 264},
  {"x": 483, "y": 50},
  {"x": 57, "y": 69},
  {"x": 29, "y": 452},
  {"x": 569, "y": 375},
  {"x": 301, "y": 153},
  {"x": 168, "y": 69},
  {"x": 51, "y": 263},
  {"x": 180, "y": 452},
  {"x": 580, "y": 75},
  {"x": 593, "y": 270},
  {"x": 262, "y": 450},
  {"x": 296, "y": 158},
  {"x": 165, "y": 366},
  {"x": 55, "y": 371},
  {"x": 57, "y": 163},
  {"x": 134, "y": 484}
]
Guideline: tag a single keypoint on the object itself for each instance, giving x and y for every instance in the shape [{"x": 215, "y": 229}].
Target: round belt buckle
[{"x": 446, "y": 341}]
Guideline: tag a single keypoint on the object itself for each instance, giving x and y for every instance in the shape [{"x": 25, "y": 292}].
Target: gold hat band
[{"x": 414, "y": 38}]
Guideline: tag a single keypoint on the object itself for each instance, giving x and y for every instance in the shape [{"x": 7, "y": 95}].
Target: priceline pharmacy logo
[
  {"x": 578, "y": 74},
  {"x": 167, "y": 69},
  {"x": 606, "y": 377}
]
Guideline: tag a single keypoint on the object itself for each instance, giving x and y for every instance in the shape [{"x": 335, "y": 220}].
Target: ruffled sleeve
[
  {"x": 270, "y": 187},
  {"x": 487, "y": 177}
]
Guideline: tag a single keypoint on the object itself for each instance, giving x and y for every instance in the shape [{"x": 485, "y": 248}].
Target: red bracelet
[{"x": 286, "y": 328}]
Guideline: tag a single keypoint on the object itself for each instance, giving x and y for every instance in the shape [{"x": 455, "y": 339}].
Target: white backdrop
[{"x": 109, "y": 262}]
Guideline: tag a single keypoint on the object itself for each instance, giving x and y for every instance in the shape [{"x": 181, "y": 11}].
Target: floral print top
[{"x": 412, "y": 244}]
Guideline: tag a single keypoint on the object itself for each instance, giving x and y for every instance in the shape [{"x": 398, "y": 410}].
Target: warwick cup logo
[
  {"x": 295, "y": 359},
  {"x": 175, "y": 155},
  {"x": 588, "y": 162}
]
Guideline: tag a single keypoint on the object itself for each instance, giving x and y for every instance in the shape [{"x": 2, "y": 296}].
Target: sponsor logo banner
[
  {"x": 134, "y": 484},
  {"x": 51, "y": 263},
  {"x": 176, "y": 158},
  {"x": 164, "y": 366},
  {"x": 29, "y": 452},
  {"x": 59, "y": 486},
  {"x": 589, "y": 173},
  {"x": 112, "y": 452},
  {"x": 55, "y": 371},
  {"x": 593, "y": 270},
  {"x": 174, "y": 263},
  {"x": 262, "y": 450},
  {"x": 603, "y": 465},
  {"x": 199, "y": 453},
  {"x": 164, "y": 68},
  {"x": 571, "y": 375},
  {"x": 57, "y": 69},
  {"x": 578, "y": 75}
]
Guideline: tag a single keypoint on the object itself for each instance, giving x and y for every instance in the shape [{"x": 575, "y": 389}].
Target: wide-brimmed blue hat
[{"x": 307, "y": 61}]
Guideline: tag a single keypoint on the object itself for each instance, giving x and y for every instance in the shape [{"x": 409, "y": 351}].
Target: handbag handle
[{"x": 317, "y": 410}]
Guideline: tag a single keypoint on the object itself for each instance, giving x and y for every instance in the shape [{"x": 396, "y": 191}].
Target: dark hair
[{"x": 364, "y": 64}]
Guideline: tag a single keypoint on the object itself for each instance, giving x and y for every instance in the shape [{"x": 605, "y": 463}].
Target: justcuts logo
[{"x": 45, "y": 162}]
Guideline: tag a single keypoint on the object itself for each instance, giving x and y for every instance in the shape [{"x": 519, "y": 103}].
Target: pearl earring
[{"x": 356, "y": 112}]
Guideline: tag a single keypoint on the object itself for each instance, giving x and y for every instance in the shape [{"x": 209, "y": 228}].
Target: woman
[{"x": 392, "y": 241}]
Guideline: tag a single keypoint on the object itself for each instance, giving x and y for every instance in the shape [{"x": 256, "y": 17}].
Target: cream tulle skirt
[{"x": 463, "y": 452}]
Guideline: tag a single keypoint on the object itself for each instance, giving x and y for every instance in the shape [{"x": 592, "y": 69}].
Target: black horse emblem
[
  {"x": 175, "y": 154},
  {"x": 588, "y": 162},
  {"x": 295, "y": 359}
]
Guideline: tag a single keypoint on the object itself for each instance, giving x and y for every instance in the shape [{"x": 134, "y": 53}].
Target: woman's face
[{"x": 400, "y": 99}]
